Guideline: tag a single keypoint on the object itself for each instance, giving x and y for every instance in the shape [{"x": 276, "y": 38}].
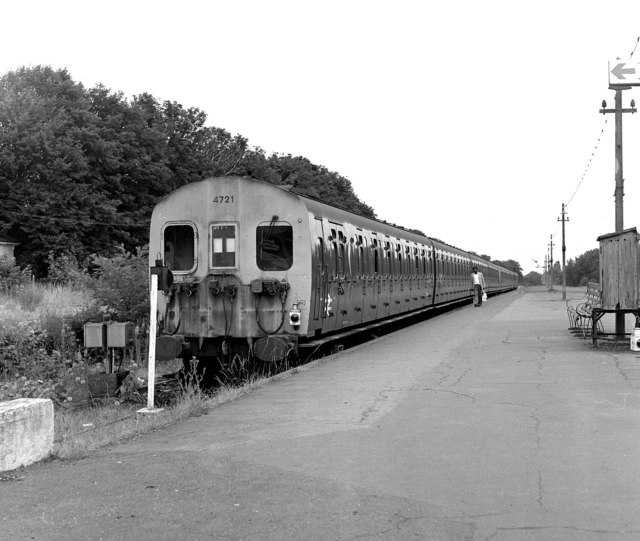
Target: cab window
[
  {"x": 274, "y": 246},
  {"x": 223, "y": 246},
  {"x": 179, "y": 243}
]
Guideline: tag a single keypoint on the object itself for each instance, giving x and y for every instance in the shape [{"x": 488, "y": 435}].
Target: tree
[
  {"x": 318, "y": 182},
  {"x": 556, "y": 273},
  {"x": 585, "y": 268},
  {"x": 532, "y": 279},
  {"x": 81, "y": 170},
  {"x": 49, "y": 188}
]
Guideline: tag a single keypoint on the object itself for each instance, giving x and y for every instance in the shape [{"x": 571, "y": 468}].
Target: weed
[
  {"x": 29, "y": 297},
  {"x": 11, "y": 276}
]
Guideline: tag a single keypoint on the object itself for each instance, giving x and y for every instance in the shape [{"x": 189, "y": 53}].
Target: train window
[
  {"x": 223, "y": 245},
  {"x": 376, "y": 267},
  {"x": 179, "y": 247},
  {"x": 274, "y": 246}
]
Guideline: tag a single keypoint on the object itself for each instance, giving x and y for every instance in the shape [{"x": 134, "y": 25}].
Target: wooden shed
[{"x": 620, "y": 270}]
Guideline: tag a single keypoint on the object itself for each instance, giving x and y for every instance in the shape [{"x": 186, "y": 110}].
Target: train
[{"x": 254, "y": 269}]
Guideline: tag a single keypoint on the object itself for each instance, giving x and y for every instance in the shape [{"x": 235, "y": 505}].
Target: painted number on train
[{"x": 223, "y": 199}]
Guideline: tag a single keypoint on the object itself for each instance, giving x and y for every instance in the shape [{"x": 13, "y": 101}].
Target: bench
[
  {"x": 580, "y": 311},
  {"x": 572, "y": 314}
]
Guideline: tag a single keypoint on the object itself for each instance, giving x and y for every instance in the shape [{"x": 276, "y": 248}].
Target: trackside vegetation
[{"x": 42, "y": 353}]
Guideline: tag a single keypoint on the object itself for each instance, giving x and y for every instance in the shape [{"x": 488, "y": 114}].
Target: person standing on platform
[{"x": 478, "y": 285}]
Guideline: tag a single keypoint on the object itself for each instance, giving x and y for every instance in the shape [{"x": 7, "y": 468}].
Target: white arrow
[{"x": 620, "y": 71}]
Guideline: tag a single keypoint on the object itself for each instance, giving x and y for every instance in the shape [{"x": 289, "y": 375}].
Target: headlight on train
[{"x": 295, "y": 317}]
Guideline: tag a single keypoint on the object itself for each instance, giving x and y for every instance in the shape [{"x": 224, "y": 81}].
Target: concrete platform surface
[{"x": 490, "y": 423}]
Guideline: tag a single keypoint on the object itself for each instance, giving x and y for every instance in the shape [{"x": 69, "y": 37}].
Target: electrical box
[
  {"x": 95, "y": 335},
  {"x": 120, "y": 335}
]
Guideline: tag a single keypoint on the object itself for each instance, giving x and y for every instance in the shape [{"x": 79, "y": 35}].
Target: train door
[
  {"x": 414, "y": 279},
  {"x": 320, "y": 277},
  {"x": 404, "y": 286},
  {"x": 395, "y": 261},
  {"x": 353, "y": 302},
  {"x": 430, "y": 272},
  {"x": 424, "y": 291},
  {"x": 376, "y": 272},
  {"x": 366, "y": 284},
  {"x": 335, "y": 260},
  {"x": 386, "y": 284},
  {"x": 438, "y": 276}
]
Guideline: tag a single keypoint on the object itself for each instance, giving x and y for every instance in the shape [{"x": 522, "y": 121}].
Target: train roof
[{"x": 342, "y": 215}]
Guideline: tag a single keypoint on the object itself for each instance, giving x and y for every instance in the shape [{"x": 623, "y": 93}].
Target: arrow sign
[
  {"x": 624, "y": 73},
  {"x": 620, "y": 71}
]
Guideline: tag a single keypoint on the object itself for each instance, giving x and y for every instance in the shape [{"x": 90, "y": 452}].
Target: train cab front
[{"x": 237, "y": 293}]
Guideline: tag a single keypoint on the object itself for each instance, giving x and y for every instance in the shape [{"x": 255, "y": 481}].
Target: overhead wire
[
  {"x": 593, "y": 153},
  {"x": 586, "y": 170}
]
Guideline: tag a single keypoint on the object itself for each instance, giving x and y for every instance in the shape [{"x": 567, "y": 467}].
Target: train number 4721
[{"x": 223, "y": 199}]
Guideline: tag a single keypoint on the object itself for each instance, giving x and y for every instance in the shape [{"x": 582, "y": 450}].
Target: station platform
[{"x": 490, "y": 423}]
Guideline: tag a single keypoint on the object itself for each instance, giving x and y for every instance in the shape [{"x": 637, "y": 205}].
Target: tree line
[
  {"x": 82, "y": 168},
  {"x": 584, "y": 268}
]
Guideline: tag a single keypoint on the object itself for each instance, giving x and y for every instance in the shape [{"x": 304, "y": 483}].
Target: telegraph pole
[
  {"x": 619, "y": 191},
  {"x": 551, "y": 264},
  {"x": 546, "y": 266},
  {"x": 564, "y": 254}
]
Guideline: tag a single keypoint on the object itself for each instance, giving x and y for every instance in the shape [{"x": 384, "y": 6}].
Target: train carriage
[{"x": 258, "y": 269}]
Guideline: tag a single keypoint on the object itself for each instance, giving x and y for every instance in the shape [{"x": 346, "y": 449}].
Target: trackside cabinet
[
  {"x": 109, "y": 334},
  {"x": 120, "y": 335},
  {"x": 95, "y": 335},
  {"x": 619, "y": 270}
]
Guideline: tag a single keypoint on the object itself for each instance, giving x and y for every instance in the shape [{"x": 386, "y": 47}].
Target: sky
[{"x": 470, "y": 121}]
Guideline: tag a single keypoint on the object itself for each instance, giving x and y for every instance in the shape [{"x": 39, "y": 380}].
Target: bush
[
  {"x": 121, "y": 284},
  {"x": 65, "y": 270},
  {"x": 41, "y": 325},
  {"x": 11, "y": 276},
  {"x": 25, "y": 351}
]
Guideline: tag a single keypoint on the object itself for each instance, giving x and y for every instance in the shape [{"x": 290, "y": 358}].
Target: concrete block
[{"x": 26, "y": 432}]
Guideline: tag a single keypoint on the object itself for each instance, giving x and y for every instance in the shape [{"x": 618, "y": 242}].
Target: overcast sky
[{"x": 471, "y": 121}]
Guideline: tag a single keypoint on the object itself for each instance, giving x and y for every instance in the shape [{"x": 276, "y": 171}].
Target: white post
[
  {"x": 152, "y": 340},
  {"x": 151, "y": 379}
]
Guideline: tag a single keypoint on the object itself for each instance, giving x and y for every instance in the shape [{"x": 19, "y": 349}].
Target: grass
[{"x": 79, "y": 432}]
